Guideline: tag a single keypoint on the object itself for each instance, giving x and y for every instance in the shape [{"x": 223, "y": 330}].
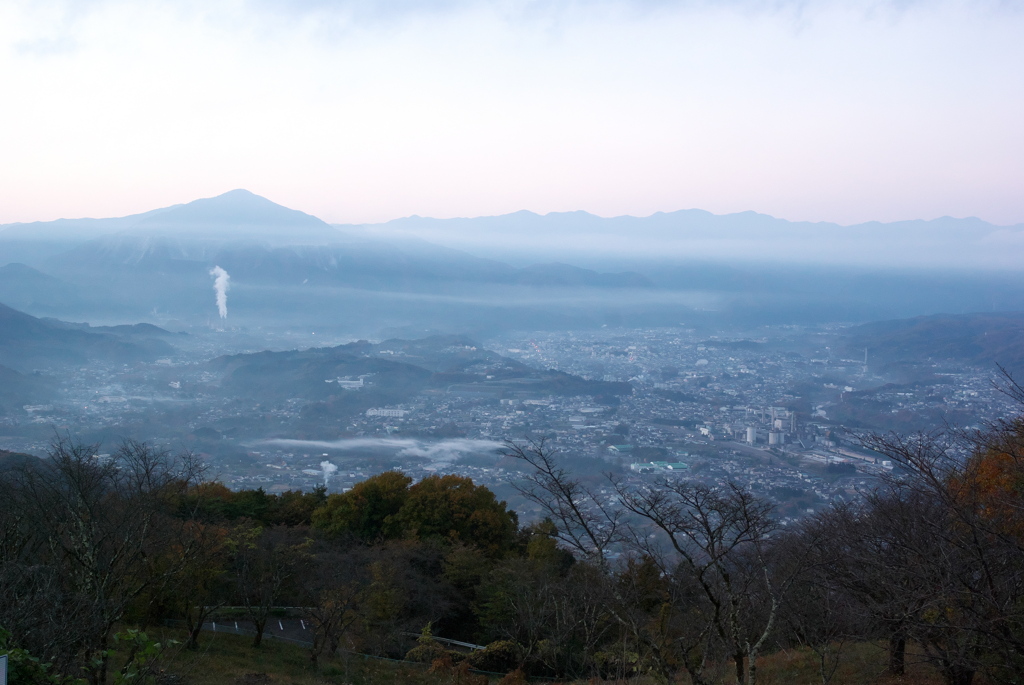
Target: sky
[{"x": 364, "y": 111}]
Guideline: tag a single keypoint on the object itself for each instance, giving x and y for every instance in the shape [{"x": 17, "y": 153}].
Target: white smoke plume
[
  {"x": 221, "y": 284},
  {"x": 328, "y": 469}
]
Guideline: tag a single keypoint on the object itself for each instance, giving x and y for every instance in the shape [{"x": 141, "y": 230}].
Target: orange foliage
[{"x": 993, "y": 484}]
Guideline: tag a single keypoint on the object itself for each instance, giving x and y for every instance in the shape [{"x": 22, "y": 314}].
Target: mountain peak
[
  {"x": 233, "y": 208},
  {"x": 235, "y": 215}
]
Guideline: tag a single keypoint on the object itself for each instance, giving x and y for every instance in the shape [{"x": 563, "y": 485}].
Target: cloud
[{"x": 437, "y": 451}]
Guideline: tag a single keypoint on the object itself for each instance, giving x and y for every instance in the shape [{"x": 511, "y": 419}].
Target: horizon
[{"x": 510, "y": 213}]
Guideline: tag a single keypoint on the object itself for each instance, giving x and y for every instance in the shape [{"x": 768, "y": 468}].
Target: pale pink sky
[{"x": 814, "y": 110}]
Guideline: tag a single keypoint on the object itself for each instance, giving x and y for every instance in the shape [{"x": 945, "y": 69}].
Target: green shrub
[{"x": 498, "y": 657}]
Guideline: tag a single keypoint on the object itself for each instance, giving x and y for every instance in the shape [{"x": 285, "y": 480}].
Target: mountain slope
[
  {"x": 394, "y": 372},
  {"x": 232, "y": 215},
  {"x": 977, "y": 339},
  {"x": 23, "y": 287},
  {"x": 17, "y": 389},
  {"x": 27, "y": 342},
  {"x": 235, "y": 215}
]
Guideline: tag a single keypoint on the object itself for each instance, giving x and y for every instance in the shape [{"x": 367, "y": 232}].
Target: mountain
[
  {"x": 233, "y": 216},
  {"x": 26, "y": 288},
  {"x": 16, "y": 460},
  {"x": 18, "y": 389},
  {"x": 566, "y": 275},
  {"x": 263, "y": 242},
  {"x": 394, "y": 372},
  {"x": 287, "y": 268},
  {"x": 519, "y": 271},
  {"x": 237, "y": 214},
  {"x": 27, "y": 342},
  {"x": 977, "y": 339},
  {"x": 693, "y": 234}
]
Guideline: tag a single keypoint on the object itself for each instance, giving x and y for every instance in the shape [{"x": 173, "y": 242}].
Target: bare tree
[
  {"x": 557, "y": 616},
  {"x": 819, "y": 613},
  {"x": 720, "y": 538},
  {"x": 265, "y": 562},
  {"x": 197, "y": 590},
  {"x": 957, "y": 494},
  {"x": 587, "y": 521},
  {"x": 103, "y": 527},
  {"x": 332, "y": 584},
  {"x": 661, "y": 606}
]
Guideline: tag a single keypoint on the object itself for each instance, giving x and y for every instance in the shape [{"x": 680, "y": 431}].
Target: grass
[
  {"x": 862, "y": 663},
  {"x": 225, "y": 659}
]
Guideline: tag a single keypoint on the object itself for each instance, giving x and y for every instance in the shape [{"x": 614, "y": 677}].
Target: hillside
[
  {"x": 23, "y": 287},
  {"x": 227, "y": 658},
  {"x": 394, "y": 372},
  {"x": 27, "y": 342},
  {"x": 17, "y": 389},
  {"x": 979, "y": 339}
]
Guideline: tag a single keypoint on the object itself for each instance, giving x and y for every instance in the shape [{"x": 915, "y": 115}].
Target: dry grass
[
  {"x": 225, "y": 659},
  {"x": 861, "y": 663}
]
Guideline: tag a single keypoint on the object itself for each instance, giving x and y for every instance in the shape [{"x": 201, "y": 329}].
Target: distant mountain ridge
[
  {"x": 242, "y": 216},
  {"x": 698, "y": 234},
  {"x": 27, "y": 342},
  {"x": 518, "y": 271}
]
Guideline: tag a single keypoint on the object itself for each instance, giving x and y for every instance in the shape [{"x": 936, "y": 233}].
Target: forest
[{"x": 668, "y": 582}]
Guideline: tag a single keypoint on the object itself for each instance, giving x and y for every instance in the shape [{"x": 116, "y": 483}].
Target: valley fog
[{"x": 271, "y": 352}]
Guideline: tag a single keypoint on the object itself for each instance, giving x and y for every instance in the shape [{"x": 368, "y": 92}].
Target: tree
[
  {"x": 265, "y": 560},
  {"x": 102, "y": 529},
  {"x": 448, "y": 508},
  {"x": 197, "y": 588},
  {"x": 364, "y": 511},
  {"x": 966, "y": 557},
  {"x": 586, "y": 521},
  {"x": 295, "y": 508},
  {"x": 331, "y": 584},
  {"x": 819, "y": 614},
  {"x": 661, "y": 609},
  {"x": 453, "y": 508},
  {"x": 720, "y": 538}
]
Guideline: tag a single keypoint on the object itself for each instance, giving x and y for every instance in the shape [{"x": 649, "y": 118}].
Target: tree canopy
[{"x": 389, "y": 507}]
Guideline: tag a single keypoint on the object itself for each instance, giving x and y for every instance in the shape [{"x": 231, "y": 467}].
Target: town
[{"x": 772, "y": 409}]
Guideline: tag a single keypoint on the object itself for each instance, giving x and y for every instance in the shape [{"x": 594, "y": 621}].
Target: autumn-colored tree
[
  {"x": 969, "y": 559},
  {"x": 363, "y": 511},
  {"x": 295, "y": 508},
  {"x": 449, "y": 508},
  {"x": 453, "y": 508},
  {"x": 991, "y": 483}
]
